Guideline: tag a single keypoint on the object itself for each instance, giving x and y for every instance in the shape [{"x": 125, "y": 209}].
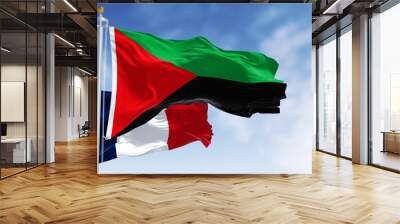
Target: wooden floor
[
  {"x": 5, "y": 172},
  {"x": 70, "y": 191},
  {"x": 387, "y": 159}
]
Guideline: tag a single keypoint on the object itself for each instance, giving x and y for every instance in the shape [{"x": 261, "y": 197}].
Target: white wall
[
  {"x": 33, "y": 126},
  {"x": 80, "y": 94},
  {"x": 61, "y": 103},
  {"x": 71, "y": 94},
  {"x": 16, "y": 73}
]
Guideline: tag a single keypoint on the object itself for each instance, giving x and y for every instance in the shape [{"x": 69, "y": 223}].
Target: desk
[
  {"x": 15, "y": 148},
  {"x": 391, "y": 141}
]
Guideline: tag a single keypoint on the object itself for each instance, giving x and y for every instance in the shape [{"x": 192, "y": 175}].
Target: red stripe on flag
[
  {"x": 143, "y": 81},
  {"x": 188, "y": 123}
]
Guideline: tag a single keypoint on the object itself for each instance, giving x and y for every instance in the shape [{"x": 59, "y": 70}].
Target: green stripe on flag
[{"x": 201, "y": 57}]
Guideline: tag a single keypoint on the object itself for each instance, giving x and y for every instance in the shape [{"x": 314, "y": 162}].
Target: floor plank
[{"x": 70, "y": 191}]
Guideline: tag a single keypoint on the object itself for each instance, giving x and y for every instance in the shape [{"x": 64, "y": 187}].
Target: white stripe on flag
[{"x": 150, "y": 137}]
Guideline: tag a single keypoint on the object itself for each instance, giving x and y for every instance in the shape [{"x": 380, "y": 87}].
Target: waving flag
[
  {"x": 176, "y": 126},
  {"x": 172, "y": 128},
  {"x": 150, "y": 73}
]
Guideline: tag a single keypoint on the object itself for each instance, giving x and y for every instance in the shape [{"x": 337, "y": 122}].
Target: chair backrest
[{"x": 86, "y": 125}]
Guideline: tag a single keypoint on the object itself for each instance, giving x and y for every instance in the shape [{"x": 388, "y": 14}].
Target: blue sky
[{"x": 264, "y": 143}]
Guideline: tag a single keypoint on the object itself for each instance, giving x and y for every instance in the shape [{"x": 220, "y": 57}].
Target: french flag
[{"x": 173, "y": 127}]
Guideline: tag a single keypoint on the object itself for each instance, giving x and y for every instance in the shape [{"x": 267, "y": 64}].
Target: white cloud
[
  {"x": 238, "y": 127},
  {"x": 263, "y": 19},
  {"x": 173, "y": 34},
  {"x": 284, "y": 43},
  {"x": 293, "y": 127},
  {"x": 227, "y": 41}
]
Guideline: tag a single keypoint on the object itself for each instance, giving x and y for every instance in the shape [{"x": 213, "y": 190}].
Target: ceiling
[
  {"x": 74, "y": 21},
  {"x": 332, "y": 15}
]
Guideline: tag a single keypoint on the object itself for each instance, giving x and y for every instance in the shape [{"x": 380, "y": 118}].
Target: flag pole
[
  {"x": 100, "y": 32},
  {"x": 100, "y": 11}
]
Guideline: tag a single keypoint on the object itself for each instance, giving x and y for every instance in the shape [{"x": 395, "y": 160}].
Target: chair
[{"x": 84, "y": 130}]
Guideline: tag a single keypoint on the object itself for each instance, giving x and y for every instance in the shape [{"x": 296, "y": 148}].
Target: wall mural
[{"x": 205, "y": 88}]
